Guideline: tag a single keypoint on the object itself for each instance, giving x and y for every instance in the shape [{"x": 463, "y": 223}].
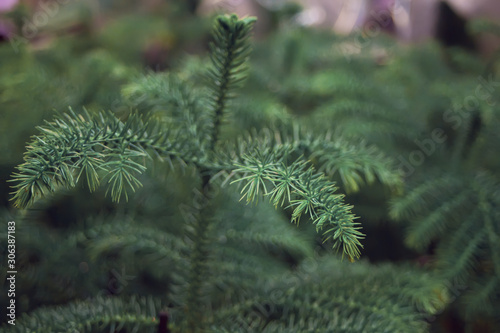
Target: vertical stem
[{"x": 199, "y": 255}]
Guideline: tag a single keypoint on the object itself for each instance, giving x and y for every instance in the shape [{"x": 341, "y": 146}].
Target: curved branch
[
  {"x": 91, "y": 146},
  {"x": 307, "y": 192}
]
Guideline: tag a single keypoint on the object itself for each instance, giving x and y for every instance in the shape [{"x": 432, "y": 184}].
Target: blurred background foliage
[{"x": 431, "y": 251}]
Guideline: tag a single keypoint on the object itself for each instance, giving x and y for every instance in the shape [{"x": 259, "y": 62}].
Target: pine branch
[
  {"x": 264, "y": 158},
  {"x": 76, "y": 146},
  {"x": 260, "y": 227},
  {"x": 463, "y": 262},
  {"x": 93, "y": 316},
  {"x": 457, "y": 212},
  {"x": 421, "y": 198},
  {"x": 129, "y": 240},
  {"x": 436, "y": 223},
  {"x": 175, "y": 102},
  {"x": 354, "y": 163},
  {"x": 333, "y": 297},
  {"x": 482, "y": 298},
  {"x": 357, "y": 118},
  {"x": 306, "y": 191},
  {"x": 455, "y": 266},
  {"x": 261, "y": 239}
]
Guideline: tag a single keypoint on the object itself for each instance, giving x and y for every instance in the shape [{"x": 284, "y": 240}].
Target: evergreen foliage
[
  {"x": 88, "y": 145},
  {"x": 463, "y": 224},
  {"x": 98, "y": 315},
  {"x": 212, "y": 171},
  {"x": 101, "y": 148}
]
